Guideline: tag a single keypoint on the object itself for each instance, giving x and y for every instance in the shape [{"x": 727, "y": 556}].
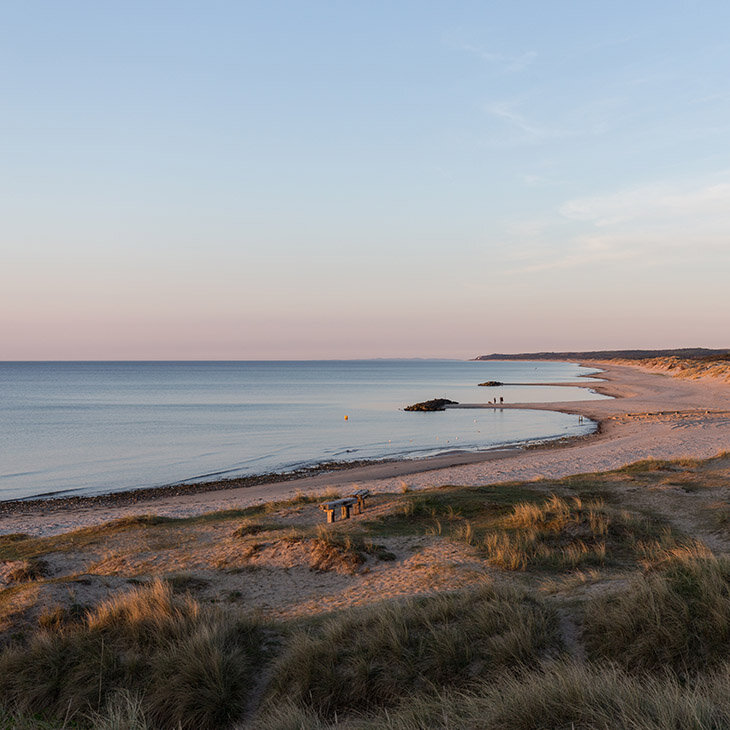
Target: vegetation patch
[
  {"x": 28, "y": 570},
  {"x": 333, "y": 550},
  {"x": 516, "y": 528},
  {"x": 676, "y": 617},
  {"x": 187, "y": 583},
  {"x": 564, "y": 534},
  {"x": 559, "y": 695},
  {"x": 12, "y": 538},
  {"x": 361, "y": 659},
  {"x": 254, "y": 528},
  {"x": 191, "y": 666},
  {"x": 439, "y": 509}
]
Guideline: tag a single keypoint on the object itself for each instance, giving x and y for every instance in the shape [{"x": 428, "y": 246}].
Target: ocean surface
[{"x": 93, "y": 427}]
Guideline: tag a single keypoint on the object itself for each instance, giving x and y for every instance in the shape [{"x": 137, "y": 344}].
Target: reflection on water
[{"x": 95, "y": 427}]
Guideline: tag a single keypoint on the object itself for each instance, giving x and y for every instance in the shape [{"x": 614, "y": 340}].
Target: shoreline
[
  {"x": 650, "y": 416},
  {"x": 47, "y": 501},
  {"x": 453, "y": 457}
]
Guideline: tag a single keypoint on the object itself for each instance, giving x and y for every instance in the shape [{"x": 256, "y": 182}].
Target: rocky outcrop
[
  {"x": 437, "y": 404},
  {"x": 491, "y": 383}
]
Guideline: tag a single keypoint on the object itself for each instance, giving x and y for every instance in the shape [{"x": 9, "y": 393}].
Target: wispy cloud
[
  {"x": 645, "y": 225},
  {"x": 650, "y": 202},
  {"x": 593, "y": 118},
  {"x": 505, "y": 110},
  {"x": 533, "y": 131},
  {"x": 503, "y": 62}
]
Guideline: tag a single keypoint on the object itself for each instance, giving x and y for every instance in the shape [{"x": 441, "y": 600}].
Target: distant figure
[{"x": 501, "y": 400}]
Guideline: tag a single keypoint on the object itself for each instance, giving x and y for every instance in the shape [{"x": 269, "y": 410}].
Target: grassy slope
[{"x": 588, "y": 613}]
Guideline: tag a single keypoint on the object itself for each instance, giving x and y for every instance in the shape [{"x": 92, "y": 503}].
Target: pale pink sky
[{"x": 362, "y": 180}]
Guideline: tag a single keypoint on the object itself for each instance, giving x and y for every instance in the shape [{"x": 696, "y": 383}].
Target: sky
[{"x": 288, "y": 180}]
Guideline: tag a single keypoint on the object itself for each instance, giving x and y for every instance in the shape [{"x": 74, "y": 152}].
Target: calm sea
[{"x": 93, "y": 427}]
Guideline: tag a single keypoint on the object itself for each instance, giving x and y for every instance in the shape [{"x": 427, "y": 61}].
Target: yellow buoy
[{"x": 347, "y": 418}]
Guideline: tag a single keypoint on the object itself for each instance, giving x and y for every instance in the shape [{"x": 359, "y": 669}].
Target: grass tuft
[
  {"x": 676, "y": 617},
  {"x": 28, "y": 570},
  {"x": 12, "y": 538},
  {"x": 191, "y": 666},
  {"x": 563, "y": 533},
  {"x": 362, "y": 659},
  {"x": 560, "y": 695},
  {"x": 332, "y": 550}
]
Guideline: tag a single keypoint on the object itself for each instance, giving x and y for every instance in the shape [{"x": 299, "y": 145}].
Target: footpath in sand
[{"x": 652, "y": 415}]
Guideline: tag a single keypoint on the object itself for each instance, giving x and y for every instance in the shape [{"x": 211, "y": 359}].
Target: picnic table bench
[{"x": 345, "y": 504}]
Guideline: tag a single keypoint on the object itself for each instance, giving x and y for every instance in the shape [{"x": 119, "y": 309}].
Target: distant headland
[{"x": 686, "y": 353}]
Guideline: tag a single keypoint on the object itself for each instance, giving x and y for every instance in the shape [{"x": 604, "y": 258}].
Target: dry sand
[{"x": 652, "y": 415}]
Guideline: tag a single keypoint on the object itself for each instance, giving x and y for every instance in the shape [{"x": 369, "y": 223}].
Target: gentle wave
[{"x": 90, "y": 428}]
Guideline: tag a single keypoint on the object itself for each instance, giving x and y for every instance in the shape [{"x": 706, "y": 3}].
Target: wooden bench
[
  {"x": 345, "y": 504},
  {"x": 360, "y": 497}
]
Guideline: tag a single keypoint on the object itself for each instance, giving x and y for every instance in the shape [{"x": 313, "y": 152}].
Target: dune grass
[
  {"x": 567, "y": 695},
  {"x": 374, "y": 657},
  {"x": 566, "y": 533},
  {"x": 333, "y": 550},
  {"x": 493, "y": 656},
  {"x": 192, "y": 667},
  {"x": 676, "y": 617},
  {"x": 418, "y": 512},
  {"x": 527, "y": 530},
  {"x": 29, "y": 569}
]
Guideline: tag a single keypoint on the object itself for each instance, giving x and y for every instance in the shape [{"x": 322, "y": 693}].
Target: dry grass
[
  {"x": 559, "y": 696},
  {"x": 158, "y": 658},
  {"x": 13, "y": 538},
  {"x": 332, "y": 550},
  {"x": 676, "y": 617},
  {"x": 558, "y": 533},
  {"x": 565, "y": 696},
  {"x": 123, "y": 711},
  {"x": 28, "y": 570},
  {"x": 716, "y": 367},
  {"x": 374, "y": 657},
  {"x": 250, "y": 528},
  {"x": 517, "y": 528},
  {"x": 191, "y": 667},
  {"x": 562, "y": 534}
]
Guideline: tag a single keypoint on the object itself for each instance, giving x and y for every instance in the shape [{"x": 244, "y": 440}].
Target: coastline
[
  {"x": 452, "y": 457},
  {"x": 650, "y": 416}
]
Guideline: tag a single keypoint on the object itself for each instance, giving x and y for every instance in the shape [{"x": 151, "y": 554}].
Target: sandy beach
[{"x": 651, "y": 415}]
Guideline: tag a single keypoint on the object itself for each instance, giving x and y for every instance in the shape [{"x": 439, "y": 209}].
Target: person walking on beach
[{"x": 501, "y": 400}]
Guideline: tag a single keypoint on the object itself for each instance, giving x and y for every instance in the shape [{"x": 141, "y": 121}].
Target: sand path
[{"x": 652, "y": 416}]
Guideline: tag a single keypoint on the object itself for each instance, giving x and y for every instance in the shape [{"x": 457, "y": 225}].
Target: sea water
[{"x": 94, "y": 427}]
